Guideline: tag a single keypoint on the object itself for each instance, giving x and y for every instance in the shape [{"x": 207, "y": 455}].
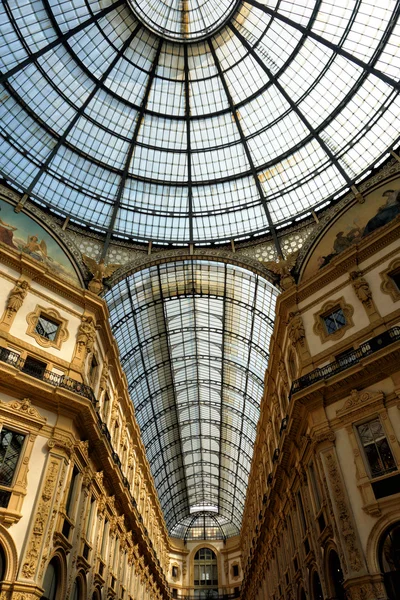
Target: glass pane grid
[
  {"x": 191, "y": 343},
  {"x": 262, "y": 94}
]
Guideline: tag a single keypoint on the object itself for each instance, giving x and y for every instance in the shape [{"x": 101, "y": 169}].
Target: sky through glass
[{"x": 146, "y": 138}]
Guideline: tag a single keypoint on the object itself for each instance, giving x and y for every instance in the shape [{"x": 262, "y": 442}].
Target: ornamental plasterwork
[
  {"x": 62, "y": 331},
  {"x": 358, "y": 400},
  {"x": 343, "y": 513},
  {"x": 33, "y": 551},
  {"x": 388, "y": 286},
  {"x": 24, "y": 412},
  {"x": 319, "y": 326}
]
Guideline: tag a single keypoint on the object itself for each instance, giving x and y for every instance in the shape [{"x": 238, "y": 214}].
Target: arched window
[
  {"x": 316, "y": 587},
  {"x": 389, "y": 561},
  {"x": 336, "y": 575},
  {"x": 77, "y": 589},
  {"x": 96, "y": 594},
  {"x": 51, "y": 581},
  {"x": 3, "y": 564},
  {"x": 302, "y": 595},
  {"x": 205, "y": 574}
]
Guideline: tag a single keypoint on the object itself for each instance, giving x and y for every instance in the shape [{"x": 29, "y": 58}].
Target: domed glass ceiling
[
  {"x": 139, "y": 129},
  {"x": 193, "y": 338}
]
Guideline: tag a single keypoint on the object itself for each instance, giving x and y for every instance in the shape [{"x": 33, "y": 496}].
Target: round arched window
[
  {"x": 316, "y": 587},
  {"x": 389, "y": 560},
  {"x": 205, "y": 574},
  {"x": 77, "y": 589},
  {"x": 3, "y": 563},
  {"x": 336, "y": 575},
  {"x": 51, "y": 580}
]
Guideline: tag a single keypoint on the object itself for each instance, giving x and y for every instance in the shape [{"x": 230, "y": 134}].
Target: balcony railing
[
  {"x": 348, "y": 360},
  {"x": 38, "y": 370},
  {"x": 34, "y": 369}
]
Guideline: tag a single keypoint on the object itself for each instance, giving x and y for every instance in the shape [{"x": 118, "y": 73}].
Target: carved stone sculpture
[
  {"x": 99, "y": 271},
  {"x": 283, "y": 268},
  {"x": 361, "y": 288},
  {"x": 296, "y": 329},
  {"x": 86, "y": 334},
  {"x": 17, "y": 296}
]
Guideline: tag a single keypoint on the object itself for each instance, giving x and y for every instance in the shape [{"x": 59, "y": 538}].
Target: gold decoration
[
  {"x": 99, "y": 271},
  {"x": 283, "y": 267}
]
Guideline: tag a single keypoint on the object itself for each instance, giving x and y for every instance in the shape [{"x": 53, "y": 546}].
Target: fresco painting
[
  {"x": 22, "y": 233},
  {"x": 379, "y": 209}
]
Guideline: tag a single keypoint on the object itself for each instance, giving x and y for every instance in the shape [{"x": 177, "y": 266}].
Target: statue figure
[
  {"x": 99, "y": 271},
  {"x": 361, "y": 287},
  {"x": 282, "y": 268},
  {"x": 104, "y": 376},
  {"x": 17, "y": 296},
  {"x": 86, "y": 334},
  {"x": 283, "y": 374}
]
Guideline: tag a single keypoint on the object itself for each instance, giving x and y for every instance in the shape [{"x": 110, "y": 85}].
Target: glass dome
[{"x": 112, "y": 120}]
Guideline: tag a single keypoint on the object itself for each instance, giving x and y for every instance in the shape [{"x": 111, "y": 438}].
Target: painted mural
[
  {"x": 380, "y": 208},
  {"x": 22, "y": 233}
]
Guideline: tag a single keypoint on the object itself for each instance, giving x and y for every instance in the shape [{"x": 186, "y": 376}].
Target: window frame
[
  {"x": 20, "y": 417},
  {"x": 328, "y": 308},
  {"x": 52, "y": 315},
  {"x": 366, "y": 462}
]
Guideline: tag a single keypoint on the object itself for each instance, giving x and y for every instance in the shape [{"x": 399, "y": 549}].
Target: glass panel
[
  {"x": 270, "y": 103},
  {"x": 334, "y": 321},
  {"x": 10, "y": 449},
  {"x": 47, "y": 328},
  {"x": 376, "y": 447}
]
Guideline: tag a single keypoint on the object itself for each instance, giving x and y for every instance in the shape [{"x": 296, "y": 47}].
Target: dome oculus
[{"x": 183, "y": 20}]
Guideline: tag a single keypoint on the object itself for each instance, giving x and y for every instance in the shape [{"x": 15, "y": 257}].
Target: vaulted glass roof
[
  {"x": 140, "y": 129},
  {"x": 193, "y": 339}
]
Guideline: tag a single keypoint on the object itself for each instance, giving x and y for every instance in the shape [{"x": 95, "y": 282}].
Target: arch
[
  {"x": 315, "y": 586},
  {"x": 96, "y": 594},
  {"x": 205, "y": 573},
  {"x": 334, "y": 575},
  {"x": 372, "y": 552},
  {"x": 79, "y": 587},
  {"x": 301, "y": 595},
  {"x": 10, "y": 557},
  {"x": 55, "y": 576},
  {"x": 168, "y": 256},
  {"x": 389, "y": 560}
]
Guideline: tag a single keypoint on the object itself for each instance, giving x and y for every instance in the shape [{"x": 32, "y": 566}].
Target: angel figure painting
[{"x": 19, "y": 231}]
